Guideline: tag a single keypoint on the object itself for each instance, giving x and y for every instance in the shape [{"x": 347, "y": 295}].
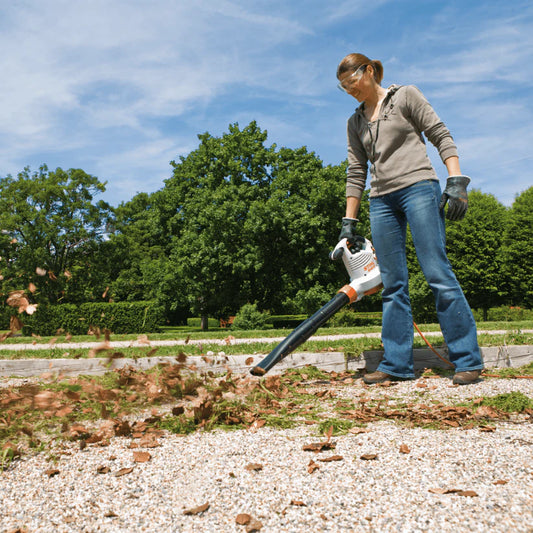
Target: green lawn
[{"x": 513, "y": 335}]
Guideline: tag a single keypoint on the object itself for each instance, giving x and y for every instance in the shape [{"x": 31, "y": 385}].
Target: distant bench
[{"x": 226, "y": 323}]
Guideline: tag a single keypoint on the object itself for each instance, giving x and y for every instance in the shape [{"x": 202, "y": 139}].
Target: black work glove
[
  {"x": 455, "y": 193},
  {"x": 355, "y": 241}
]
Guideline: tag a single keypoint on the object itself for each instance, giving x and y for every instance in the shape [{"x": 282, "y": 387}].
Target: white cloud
[{"x": 125, "y": 85}]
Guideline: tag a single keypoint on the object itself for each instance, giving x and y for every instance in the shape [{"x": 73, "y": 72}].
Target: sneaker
[
  {"x": 466, "y": 378},
  {"x": 378, "y": 377}
]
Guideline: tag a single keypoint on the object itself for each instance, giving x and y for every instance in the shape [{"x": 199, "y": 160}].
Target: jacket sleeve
[
  {"x": 427, "y": 121},
  {"x": 357, "y": 162}
]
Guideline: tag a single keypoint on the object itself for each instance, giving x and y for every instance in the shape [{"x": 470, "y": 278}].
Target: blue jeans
[{"x": 418, "y": 205}]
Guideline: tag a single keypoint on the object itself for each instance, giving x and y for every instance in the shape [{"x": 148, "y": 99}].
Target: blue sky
[{"x": 120, "y": 88}]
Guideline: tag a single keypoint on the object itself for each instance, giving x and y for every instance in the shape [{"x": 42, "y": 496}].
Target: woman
[{"x": 386, "y": 131}]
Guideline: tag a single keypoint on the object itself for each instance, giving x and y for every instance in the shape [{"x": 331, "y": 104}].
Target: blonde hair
[{"x": 352, "y": 62}]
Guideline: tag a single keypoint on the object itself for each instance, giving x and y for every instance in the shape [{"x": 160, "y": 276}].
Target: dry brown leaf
[
  {"x": 459, "y": 492},
  {"x": 254, "y": 467},
  {"x": 149, "y": 441},
  {"x": 15, "y": 324},
  {"x": 122, "y": 428},
  {"x": 78, "y": 431},
  {"x": 257, "y": 424},
  {"x": 486, "y": 411},
  {"x": 369, "y": 456},
  {"x": 249, "y": 361},
  {"x": 143, "y": 339},
  {"x": 181, "y": 358},
  {"x": 141, "y": 457},
  {"x": 501, "y": 482},
  {"x": 111, "y": 514},
  {"x": 332, "y": 458},
  {"x": 123, "y": 472},
  {"x": 298, "y": 503},
  {"x": 18, "y": 299},
  {"x": 100, "y": 348},
  {"x": 312, "y": 466},
  {"x": 467, "y": 493},
  {"x": 51, "y": 472},
  {"x": 242, "y": 519},
  {"x": 404, "y": 448},
  {"x": 40, "y": 271},
  {"x": 197, "y": 510},
  {"x": 319, "y": 446},
  {"x": 438, "y": 491},
  {"x": 64, "y": 411},
  {"x": 32, "y": 287},
  {"x": 103, "y": 470},
  {"x": 44, "y": 399}
]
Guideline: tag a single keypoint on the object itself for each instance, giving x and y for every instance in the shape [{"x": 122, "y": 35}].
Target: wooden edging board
[{"x": 494, "y": 357}]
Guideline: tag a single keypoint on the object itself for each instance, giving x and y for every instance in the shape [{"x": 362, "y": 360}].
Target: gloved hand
[
  {"x": 348, "y": 232},
  {"x": 455, "y": 193}
]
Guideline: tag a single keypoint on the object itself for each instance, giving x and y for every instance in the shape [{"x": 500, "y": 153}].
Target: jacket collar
[{"x": 391, "y": 90}]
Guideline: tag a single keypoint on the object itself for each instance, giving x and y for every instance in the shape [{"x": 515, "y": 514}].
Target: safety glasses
[{"x": 345, "y": 85}]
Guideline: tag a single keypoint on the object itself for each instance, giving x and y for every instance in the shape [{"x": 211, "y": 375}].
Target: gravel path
[
  {"x": 222, "y": 342},
  {"x": 420, "y": 480}
]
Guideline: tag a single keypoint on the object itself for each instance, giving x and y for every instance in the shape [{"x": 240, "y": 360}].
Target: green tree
[
  {"x": 245, "y": 222},
  {"x": 212, "y": 190},
  {"x": 518, "y": 250},
  {"x": 51, "y": 228},
  {"x": 475, "y": 251}
]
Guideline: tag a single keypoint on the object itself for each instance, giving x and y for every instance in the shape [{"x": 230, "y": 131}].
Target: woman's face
[{"x": 357, "y": 83}]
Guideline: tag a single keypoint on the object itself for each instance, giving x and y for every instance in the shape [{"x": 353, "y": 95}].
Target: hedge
[
  {"x": 118, "y": 318},
  {"x": 196, "y": 322}
]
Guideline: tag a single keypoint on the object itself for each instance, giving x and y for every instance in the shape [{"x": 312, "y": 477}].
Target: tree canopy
[{"x": 237, "y": 222}]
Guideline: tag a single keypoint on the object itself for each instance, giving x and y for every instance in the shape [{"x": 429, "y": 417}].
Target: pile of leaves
[{"x": 93, "y": 409}]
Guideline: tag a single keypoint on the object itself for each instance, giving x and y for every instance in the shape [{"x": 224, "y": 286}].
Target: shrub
[
  {"x": 195, "y": 322},
  {"x": 349, "y": 317},
  {"x": 505, "y": 313},
  {"x": 249, "y": 317},
  {"x": 119, "y": 318}
]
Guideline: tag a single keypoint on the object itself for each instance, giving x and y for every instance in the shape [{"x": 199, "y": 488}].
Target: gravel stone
[{"x": 395, "y": 492}]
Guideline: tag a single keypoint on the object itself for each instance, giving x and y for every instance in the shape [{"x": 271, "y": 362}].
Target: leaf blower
[{"x": 365, "y": 279}]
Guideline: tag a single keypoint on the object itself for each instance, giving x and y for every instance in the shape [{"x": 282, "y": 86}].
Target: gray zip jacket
[{"x": 394, "y": 144}]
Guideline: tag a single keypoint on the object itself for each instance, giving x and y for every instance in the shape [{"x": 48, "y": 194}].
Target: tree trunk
[{"x": 204, "y": 323}]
